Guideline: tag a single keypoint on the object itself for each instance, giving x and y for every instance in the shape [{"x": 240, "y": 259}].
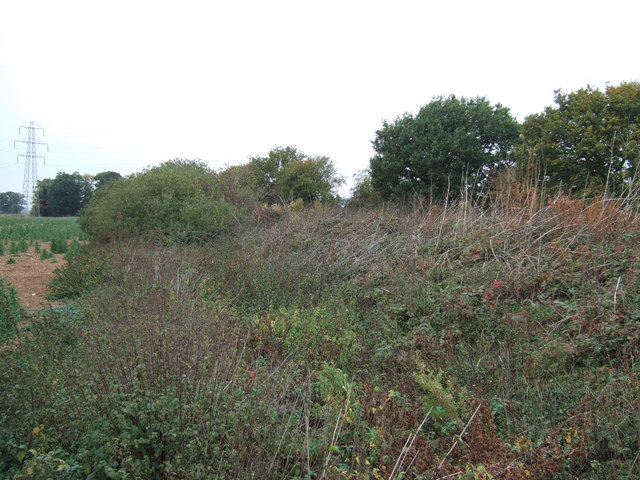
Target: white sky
[{"x": 122, "y": 85}]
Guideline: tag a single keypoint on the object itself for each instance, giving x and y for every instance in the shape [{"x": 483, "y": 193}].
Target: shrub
[
  {"x": 86, "y": 271},
  {"x": 11, "y": 312},
  {"x": 179, "y": 199},
  {"x": 59, "y": 246}
]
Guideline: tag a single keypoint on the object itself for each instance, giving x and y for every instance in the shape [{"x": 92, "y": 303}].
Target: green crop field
[
  {"x": 18, "y": 234},
  {"x": 31, "y": 229}
]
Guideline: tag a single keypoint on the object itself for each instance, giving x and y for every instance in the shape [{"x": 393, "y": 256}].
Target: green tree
[
  {"x": 105, "y": 178},
  {"x": 11, "y": 202},
  {"x": 62, "y": 196},
  {"x": 589, "y": 141},
  {"x": 241, "y": 185},
  {"x": 363, "y": 194},
  {"x": 266, "y": 168},
  {"x": 312, "y": 179},
  {"x": 450, "y": 143},
  {"x": 288, "y": 174}
]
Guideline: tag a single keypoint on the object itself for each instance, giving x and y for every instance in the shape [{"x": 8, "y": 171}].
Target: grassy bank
[{"x": 429, "y": 342}]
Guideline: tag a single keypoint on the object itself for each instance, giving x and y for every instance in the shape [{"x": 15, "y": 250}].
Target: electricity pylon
[{"x": 31, "y": 165}]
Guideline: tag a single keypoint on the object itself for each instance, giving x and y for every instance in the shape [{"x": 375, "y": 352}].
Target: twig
[
  {"x": 337, "y": 430},
  {"x": 459, "y": 436},
  {"x": 407, "y": 446},
  {"x": 451, "y": 475},
  {"x": 615, "y": 295},
  {"x": 306, "y": 424}
]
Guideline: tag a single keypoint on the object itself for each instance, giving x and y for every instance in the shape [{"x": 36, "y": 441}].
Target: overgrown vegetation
[{"x": 403, "y": 342}]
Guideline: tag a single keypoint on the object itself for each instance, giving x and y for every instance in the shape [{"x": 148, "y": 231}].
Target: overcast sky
[{"x": 122, "y": 85}]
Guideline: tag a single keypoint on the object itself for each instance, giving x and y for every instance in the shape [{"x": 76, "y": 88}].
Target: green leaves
[
  {"x": 286, "y": 174},
  {"x": 11, "y": 312},
  {"x": 11, "y": 202},
  {"x": 64, "y": 195},
  {"x": 450, "y": 143},
  {"x": 176, "y": 198},
  {"x": 589, "y": 142}
]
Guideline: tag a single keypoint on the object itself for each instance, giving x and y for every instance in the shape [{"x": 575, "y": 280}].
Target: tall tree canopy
[
  {"x": 67, "y": 193},
  {"x": 105, "y": 178},
  {"x": 288, "y": 174},
  {"x": 450, "y": 143},
  {"x": 589, "y": 141},
  {"x": 64, "y": 195}
]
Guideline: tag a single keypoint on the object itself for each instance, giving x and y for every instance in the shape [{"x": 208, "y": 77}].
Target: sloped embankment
[{"x": 436, "y": 342}]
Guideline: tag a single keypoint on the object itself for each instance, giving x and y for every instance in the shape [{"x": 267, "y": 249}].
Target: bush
[
  {"x": 179, "y": 199},
  {"x": 85, "y": 271},
  {"x": 59, "y": 246},
  {"x": 11, "y": 312}
]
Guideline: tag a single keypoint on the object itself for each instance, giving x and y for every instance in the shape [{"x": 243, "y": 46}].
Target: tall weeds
[{"x": 345, "y": 343}]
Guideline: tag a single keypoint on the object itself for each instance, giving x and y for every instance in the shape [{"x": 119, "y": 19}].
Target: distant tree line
[
  {"x": 67, "y": 193},
  {"x": 588, "y": 143}
]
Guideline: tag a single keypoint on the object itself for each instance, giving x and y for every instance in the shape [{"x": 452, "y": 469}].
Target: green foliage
[
  {"x": 103, "y": 179},
  {"x": 64, "y": 195},
  {"x": 11, "y": 312},
  {"x": 178, "y": 198},
  {"x": 73, "y": 249},
  {"x": 241, "y": 186},
  {"x": 588, "y": 140},
  {"x": 450, "y": 144},
  {"x": 59, "y": 246},
  {"x": 312, "y": 179},
  {"x": 67, "y": 193},
  {"x": 266, "y": 168},
  {"x": 317, "y": 334},
  {"x": 315, "y": 346},
  {"x": 11, "y": 202},
  {"x": 286, "y": 174},
  {"x": 438, "y": 398},
  {"x": 22, "y": 246},
  {"x": 363, "y": 193},
  {"x": 32, "y": 229},
  {"x": 85, "y": 271}
]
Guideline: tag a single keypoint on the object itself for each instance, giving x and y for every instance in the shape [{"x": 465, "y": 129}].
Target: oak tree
[
  {"x": 450, "y": 143},
  {"x": 589, "y": 141}
]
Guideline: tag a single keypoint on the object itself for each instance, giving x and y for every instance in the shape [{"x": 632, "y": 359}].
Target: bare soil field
[{"x": 30, "y": 276}]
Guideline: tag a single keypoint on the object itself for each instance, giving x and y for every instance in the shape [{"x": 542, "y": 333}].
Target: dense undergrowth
[{"x": 439, "y": 341}]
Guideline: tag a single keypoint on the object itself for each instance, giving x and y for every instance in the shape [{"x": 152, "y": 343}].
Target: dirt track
[{"x": 30, "y": 276}]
